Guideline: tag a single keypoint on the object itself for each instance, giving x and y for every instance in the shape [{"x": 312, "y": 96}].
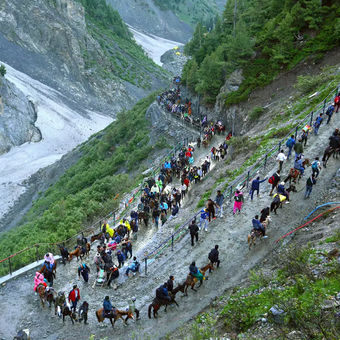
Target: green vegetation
[
  {"x": 191, "y": 11},
  {"x": 262, "y": 38},
  {"x": 2, "y": 70},
  {"x": 256, "y": 113},
  {"x": 88, "y": 189},
  {"x": 124, "y": 59}
]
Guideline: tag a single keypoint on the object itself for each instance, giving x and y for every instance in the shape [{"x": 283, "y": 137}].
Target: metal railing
[{"x": 241, "y": 180}]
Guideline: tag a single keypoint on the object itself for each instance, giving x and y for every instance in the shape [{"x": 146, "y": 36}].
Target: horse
[
  {"x": 96, "y": 237},
  {"x": 191, "y": 280},
  {"x": 143, "y": 216},
  {"x": 254, "y": 234},
  {"x": 82, "y": 313},
  {"x": 51, "y": 296},
  {"x": 41, "y": 291},
  {"x": 329, "y": 151},
  {"x": 87, "y": 249},
  {"x": 115, "y": 316},
  {"x": 295, "y": 174},
  {"x": 64, "y": 253},
  {"x": 156, "y": 303},
  {"x": 67, "y": 311},
  {"x": 48, "y": 275},
  {"x": 276, "y": 203},
  {"x": 78, "y": 252},
  {"x": 59, "y": 302}
]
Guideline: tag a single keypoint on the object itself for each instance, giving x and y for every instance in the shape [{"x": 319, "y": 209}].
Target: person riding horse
[
  {"x": 258, "y": 226},
  {"x": 109, "y": 310},
  {"x": 162, "y": 293},
  {"x": 194, "y": 271},
  {"x": 298, "y": 165}
]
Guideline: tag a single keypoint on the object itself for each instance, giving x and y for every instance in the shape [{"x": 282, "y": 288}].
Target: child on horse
[{"x": 39, "y": 279}]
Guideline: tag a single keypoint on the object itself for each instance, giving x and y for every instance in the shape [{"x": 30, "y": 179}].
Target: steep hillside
[
  {"x": 261, "y": 38},
  {"x": 81, "y": 48},
  {"x": 172, "y": 20}
]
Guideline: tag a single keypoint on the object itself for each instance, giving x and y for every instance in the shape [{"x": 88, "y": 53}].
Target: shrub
[
  {"x": 256, "y": 113},
  {"x": 2, "y": 70},
  {"x": 307, "y": 84}
]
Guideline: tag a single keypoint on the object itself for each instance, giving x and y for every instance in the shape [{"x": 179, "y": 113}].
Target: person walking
[
  {"x": 238, "y": 201},
  {"x": 337, "y": 103},
  {"x": 74, "y": 297},
  {"x": 290, "y": 144},
  {"x": 329, "y": 113},
  {"x": 213, "y": 256},
  {"x": 219, "y": 203},
  {"x": 281, "y": 157},
  {"x": 193, "y": 229},
  {"x": 204, "y": 219},
  {"x": 298, "y": 148},
  {"x": 211, "y": 209},
  {"x": 84, "y": 270},
  {"x": 309, "y": 185},
  {"x": 318, "y": 123},
  {"x": 316, "y": 167},
  {"x": 255, "y": 186}
]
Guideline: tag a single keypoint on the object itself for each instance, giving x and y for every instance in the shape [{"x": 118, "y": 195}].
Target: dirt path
[{"x": 229, "y": 232}]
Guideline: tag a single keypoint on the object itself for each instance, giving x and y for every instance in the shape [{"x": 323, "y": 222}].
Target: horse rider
[
  {"x": 258, "y": 226},
  {"x": 282, "y": 191},
  {"x": 39, "y": 279},
  {"x": 109, "y": 310},
  {"x": 162, "y": 293},
  {"x": 170, "y": 283},
  {"x": 194, "y": 271},
  {"x": 74, "y": 297},
  {"x": 49, "y": 258},
  {"x": 213, "y": 256}
]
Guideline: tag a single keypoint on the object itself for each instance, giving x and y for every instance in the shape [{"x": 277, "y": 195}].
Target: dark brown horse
[
  {"x": 329, "y": 151},
  {"x": 41, "y": 291},
  {"x": 113, "y": 316},
  {"x": 67, "y": 311},
  {"x": 83, "y": 310},
  {"x": 156, "y": 303},
  {"x": 96, "y": 237},
  {"x": 51, "y": 296},
  {"x": 191, "y": 280}
]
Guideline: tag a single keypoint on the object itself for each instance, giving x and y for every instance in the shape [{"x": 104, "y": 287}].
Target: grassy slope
[
  {"x": 88, "y": 188},
  {"x": 191, "y": 11},
  {"x": 123, "y": 58}
]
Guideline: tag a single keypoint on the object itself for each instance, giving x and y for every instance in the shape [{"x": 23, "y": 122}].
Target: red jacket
[
  {"x": 72, "y": 295},
  {"x": 186, "y": 182},
  {"x": 337, "y": 100}
]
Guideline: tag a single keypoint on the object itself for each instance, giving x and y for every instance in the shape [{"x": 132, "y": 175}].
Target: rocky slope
[{"x": 17, "y": 117}]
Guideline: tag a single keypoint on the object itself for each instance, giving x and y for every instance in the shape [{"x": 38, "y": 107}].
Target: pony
[
  {"x": 64, "y": 254},
  {"x": 254, "y": 234},
  {"x": 295, "y": 174},
  {"x": 41, "y": 292},
  {"x": 59, "y": 302},
  {"x": 67, "y": 311},
  {"x": 156, "y": 303},
  {"x": 96, "y": 237},
  {"x": 87, "y": 249},
  {"x": 51, "y": 296},
  {"x": 113, "y": 316},
  {"x": 191, "y": 280},
  {"x": 329, "y": 151},
  {"x": 276, "y": 203},
  {"x": 82, "y": 313},
  {"x": 78, "y": 252}
]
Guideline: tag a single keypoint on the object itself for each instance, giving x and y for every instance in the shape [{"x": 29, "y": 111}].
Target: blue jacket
[
  {"x": 281, "y": 189},
  {"x": 204, "y": 214},
  {"x": 330, "y": 110},
  {"x": 193, "y": 269},
  {"x": 107, "y": 305},
  {"x": 257, "y": 224},
  {"x": 255, "y": 184},
  {"x": 290, "y": 142}
]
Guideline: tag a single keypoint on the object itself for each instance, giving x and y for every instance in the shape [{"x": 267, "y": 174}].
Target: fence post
[
  {"x": 324, "y": 106},
  {"x": 311, "y": 118},
  {"x": 10, "y": 266},
  {"x": 37, "y": 251},
  {"x": 248, "y": 178},
  {"x": 231, "y": 191},
  {"x": 280, "y": 147},
  {"x": 100, "y": 224},
  {"x": 296, "y": 131},
  {"x": 172, "y": 242},
  {"x": 146, "y": 265},
  {"x": 265, "y": 161}
]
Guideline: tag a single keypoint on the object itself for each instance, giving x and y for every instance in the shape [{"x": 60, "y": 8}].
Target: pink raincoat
[
  {"x": 49, "y": 258},
  {"x": 39, "y": 278}
]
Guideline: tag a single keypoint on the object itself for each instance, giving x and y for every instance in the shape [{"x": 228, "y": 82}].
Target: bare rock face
[{"x": 17, "y": 118}]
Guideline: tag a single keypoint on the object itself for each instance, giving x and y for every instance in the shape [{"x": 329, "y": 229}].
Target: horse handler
[{"x": 74, "y": 297}]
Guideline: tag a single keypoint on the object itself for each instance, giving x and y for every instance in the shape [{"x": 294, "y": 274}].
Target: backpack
[
  {"x": 315, "y": 165},
  {"x": 271, "y": 180},
  {"x": 238, "y": 198},
  {"x": 337, "y": 100}
]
